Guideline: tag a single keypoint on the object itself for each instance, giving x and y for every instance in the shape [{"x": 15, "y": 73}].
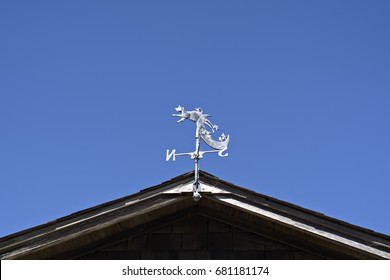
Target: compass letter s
[{"x": 171, "y": 154}]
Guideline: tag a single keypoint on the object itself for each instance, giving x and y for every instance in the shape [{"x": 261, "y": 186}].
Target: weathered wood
[
  {"x": 197, "y": 224},
  {"x": 163, "y": 222},
  {"x": 220, "y": 241},
  {"x": 215, "y": 226},
  {"x": 194, "y": 241},
  {"x": 164, "y": 242}
]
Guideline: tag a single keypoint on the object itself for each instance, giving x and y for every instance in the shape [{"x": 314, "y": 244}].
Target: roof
[{"x": 70, "y": 236}]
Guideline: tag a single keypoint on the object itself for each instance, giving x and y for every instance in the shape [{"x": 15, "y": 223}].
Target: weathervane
[{"x": 201, "y": 121}]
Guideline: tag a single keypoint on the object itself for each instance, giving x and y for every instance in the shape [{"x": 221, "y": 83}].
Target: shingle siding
[{"x": 199, "y": 237}]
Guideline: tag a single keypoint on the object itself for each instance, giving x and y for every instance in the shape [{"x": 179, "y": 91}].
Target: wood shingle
[{"x": 163, "y": 222}]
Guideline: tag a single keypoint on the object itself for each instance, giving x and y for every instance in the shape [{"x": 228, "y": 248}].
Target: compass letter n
[{"x": 171, "y": 154}]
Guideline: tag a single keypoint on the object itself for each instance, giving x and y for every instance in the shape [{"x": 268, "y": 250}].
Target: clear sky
[{"x": 87, "y": 89}]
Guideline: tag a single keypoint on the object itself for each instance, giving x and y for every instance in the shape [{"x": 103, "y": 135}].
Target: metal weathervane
[{"x": 201, "y": 121}]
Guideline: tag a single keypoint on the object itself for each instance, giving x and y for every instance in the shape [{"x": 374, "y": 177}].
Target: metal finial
[{"x": 201, "y": 121}]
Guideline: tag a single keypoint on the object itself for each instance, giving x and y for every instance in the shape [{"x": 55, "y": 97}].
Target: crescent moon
[{"x": 219, "y": 145}]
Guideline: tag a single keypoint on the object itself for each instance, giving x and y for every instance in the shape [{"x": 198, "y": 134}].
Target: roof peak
[{"x": 221, "y": 200}]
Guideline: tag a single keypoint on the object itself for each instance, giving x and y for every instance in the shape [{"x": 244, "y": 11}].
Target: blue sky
[{"x": 87, "y": 89}]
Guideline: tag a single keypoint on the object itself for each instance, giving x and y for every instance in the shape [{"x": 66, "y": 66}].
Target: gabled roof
[{"x": 73, "y": 235}]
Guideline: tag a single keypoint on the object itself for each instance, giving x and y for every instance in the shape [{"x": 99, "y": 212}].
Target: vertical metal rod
[
  {"x": 197, "y": 141},
  {"x": 196, "y": 175},
  {"x": 196, "y": 195}
]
